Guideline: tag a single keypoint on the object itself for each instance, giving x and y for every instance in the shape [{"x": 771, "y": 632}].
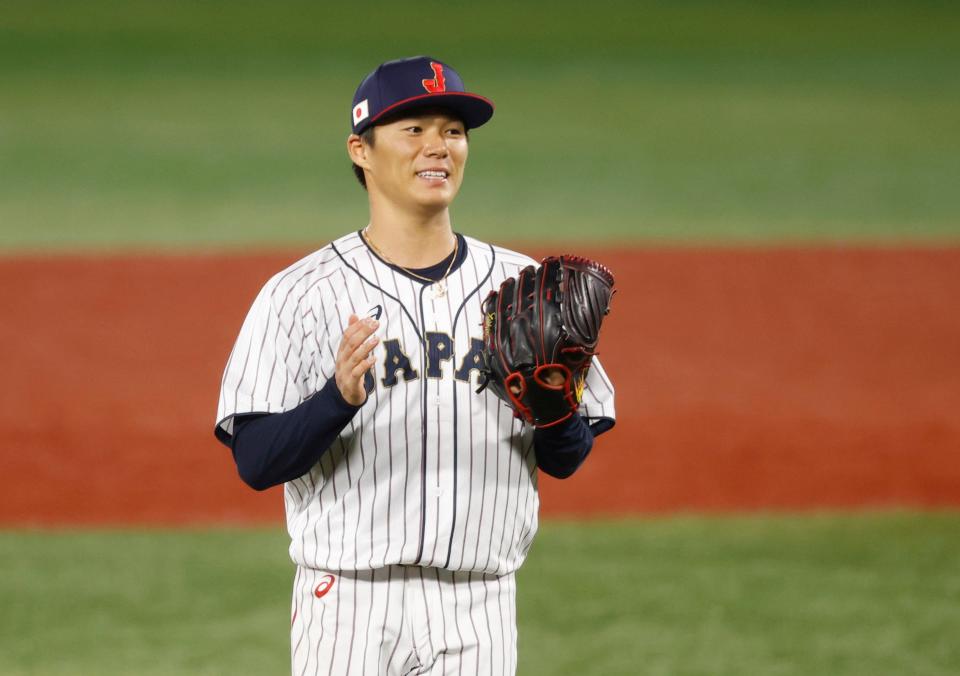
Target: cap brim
[{"x": 473, "y": 109}]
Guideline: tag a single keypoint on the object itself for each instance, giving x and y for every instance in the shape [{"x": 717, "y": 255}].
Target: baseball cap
[{"x": 416, "y": 82}]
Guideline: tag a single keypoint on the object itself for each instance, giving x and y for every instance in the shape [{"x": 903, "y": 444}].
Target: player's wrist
[{"x": 339, "y": 400}]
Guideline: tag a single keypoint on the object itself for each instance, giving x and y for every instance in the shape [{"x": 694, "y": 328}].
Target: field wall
[{"x": 747, "y": 379}]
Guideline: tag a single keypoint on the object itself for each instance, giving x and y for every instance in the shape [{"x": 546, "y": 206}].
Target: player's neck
[{"x": 411, "y": 241}]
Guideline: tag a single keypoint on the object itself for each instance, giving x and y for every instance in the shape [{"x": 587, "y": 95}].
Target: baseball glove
[{"x": 540, "y": 333}]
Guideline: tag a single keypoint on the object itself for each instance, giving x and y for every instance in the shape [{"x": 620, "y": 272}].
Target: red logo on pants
[{"x": 325, "y": 584}]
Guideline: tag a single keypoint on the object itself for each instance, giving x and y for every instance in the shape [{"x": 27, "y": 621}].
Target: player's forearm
[
  {"x": 562, "y": 448},
  {"x": 272, "y": 449}
]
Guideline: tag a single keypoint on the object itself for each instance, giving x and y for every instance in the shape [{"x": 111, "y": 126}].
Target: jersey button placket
[
  {"x": 437, "y": 321},
  {"x": 441, "y": 425}
]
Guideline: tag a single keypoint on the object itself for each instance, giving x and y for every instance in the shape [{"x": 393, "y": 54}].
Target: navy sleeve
[
  {"x": 561, "y": 449},
  {"x": 272, "y": 448}
]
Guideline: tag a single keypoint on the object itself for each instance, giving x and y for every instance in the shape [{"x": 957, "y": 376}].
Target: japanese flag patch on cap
[{"x": 361, "y": 112}]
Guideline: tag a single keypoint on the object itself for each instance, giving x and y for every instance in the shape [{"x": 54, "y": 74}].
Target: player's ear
[{"x": 357, "y": 150}]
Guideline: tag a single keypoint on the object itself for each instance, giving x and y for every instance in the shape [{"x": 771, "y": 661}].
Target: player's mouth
[{"x": 434, "y": 175}]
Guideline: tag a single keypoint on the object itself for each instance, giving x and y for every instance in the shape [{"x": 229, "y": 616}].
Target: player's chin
[{"x": 438, "y": 195}]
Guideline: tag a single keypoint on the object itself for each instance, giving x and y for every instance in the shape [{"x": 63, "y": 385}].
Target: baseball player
[{"x": 411, "y": 499}]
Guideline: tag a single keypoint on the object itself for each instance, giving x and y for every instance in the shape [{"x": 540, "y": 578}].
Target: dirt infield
[{"x": 747, "y": 379}]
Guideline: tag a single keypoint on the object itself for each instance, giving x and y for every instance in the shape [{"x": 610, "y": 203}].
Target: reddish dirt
[{"x": 747, "y": 379}]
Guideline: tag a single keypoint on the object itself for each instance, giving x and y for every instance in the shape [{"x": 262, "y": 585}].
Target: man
[{"x": 411, "y": 499}]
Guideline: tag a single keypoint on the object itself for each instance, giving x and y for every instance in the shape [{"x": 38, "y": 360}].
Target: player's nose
[
  {"x": 438, "y": 150},
  {"x": 435, "y": 145}
]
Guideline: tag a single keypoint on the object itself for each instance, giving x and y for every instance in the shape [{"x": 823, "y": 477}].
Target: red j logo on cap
[{"x": 437, "y": 84}]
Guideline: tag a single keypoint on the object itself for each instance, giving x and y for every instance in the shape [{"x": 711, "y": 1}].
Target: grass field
[
  {"x": 211, "y": 124},
  {"x": 823, "y": 594}
]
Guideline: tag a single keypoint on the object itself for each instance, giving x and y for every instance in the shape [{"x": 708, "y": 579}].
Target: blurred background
[
  {"x": 776, "y": 186},
  {"x": 212, "y": 124}
]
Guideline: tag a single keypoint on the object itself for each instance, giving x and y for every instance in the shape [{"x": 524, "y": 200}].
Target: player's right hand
[{"x": 355, "y": 357}]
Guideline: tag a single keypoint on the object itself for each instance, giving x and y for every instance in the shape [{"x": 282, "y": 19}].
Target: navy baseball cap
[{"x": 416, "y": 82}]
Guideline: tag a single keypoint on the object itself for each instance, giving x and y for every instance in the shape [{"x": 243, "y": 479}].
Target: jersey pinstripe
[{"x": 428, "y": 472}]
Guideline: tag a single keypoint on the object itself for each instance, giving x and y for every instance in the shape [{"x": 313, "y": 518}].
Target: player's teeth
[{"x": 432, "y": 174}]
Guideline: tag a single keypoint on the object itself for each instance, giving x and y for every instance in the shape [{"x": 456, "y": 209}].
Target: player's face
[{"x": 418, "y": 161}]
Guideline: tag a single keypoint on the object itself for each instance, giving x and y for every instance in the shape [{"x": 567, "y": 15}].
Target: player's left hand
[
  {"x": 540, "y": 334},
  {"x": 355, "y": 357}
]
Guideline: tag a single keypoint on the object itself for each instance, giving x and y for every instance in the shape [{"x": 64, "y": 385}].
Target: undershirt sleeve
[
  {"x": 270, "y": 449},
  {"x": 561, "y": 449}
]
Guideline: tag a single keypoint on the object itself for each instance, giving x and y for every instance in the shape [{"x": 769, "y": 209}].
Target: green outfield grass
[
  {"x": 820, "y": 594},
  {"x": 210, "y": 124}
]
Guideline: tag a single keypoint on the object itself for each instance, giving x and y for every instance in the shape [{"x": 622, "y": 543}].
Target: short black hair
[{"x": 367, "y": 135}]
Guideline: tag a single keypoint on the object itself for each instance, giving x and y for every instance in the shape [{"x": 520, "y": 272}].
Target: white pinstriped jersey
[{"x": 428, "y": 472}]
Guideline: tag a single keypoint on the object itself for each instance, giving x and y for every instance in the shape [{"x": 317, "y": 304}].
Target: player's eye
[
  {"x": 455, "y": 131},
  {"x": 414, "y": 129}
]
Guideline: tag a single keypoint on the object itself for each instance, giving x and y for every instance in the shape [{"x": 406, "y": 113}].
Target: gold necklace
[{"x": 440, "y": 285}]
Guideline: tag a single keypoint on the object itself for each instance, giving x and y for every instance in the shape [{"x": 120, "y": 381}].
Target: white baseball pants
[{"x": 403, "y": 620}]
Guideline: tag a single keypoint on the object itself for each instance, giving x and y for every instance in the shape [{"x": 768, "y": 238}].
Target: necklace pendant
[{"x": 440, "y": 289}]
